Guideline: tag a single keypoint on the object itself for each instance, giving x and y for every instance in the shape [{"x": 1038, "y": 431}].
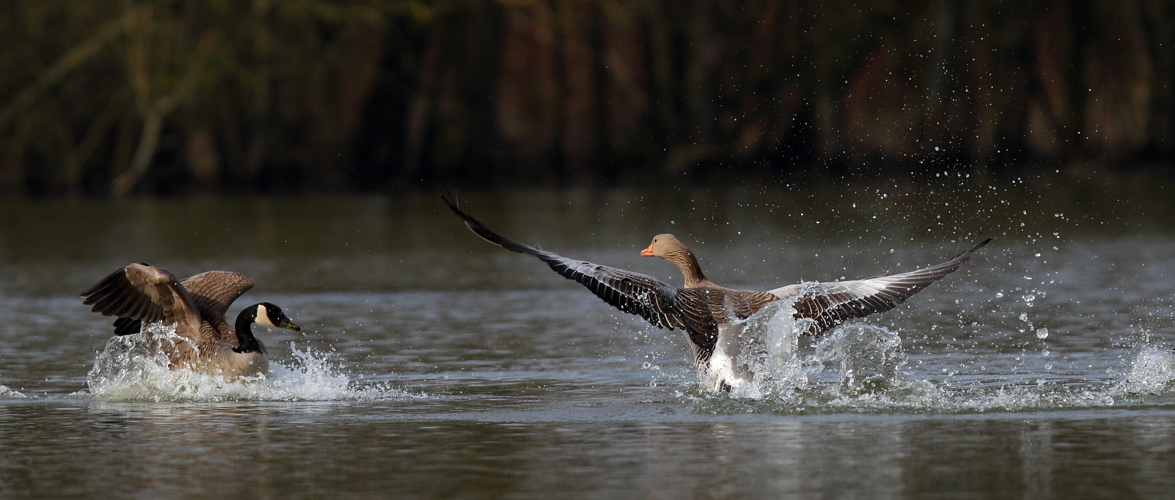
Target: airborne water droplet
[{"x": 1042, "y": 333}]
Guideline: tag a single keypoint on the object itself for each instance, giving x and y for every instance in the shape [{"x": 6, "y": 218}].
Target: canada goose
[
  {"x": 141, "y": 293},
  {"x": 708, "y": 312}
]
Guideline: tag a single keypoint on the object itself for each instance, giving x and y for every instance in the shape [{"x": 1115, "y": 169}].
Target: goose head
[
  {"x": 264, "y": 314},
  {"x": 667, "y": 246},
  {"x": 664, "y": 246}
]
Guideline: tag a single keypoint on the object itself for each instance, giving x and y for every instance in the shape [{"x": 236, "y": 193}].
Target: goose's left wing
[{"x": 858, "y": 298}]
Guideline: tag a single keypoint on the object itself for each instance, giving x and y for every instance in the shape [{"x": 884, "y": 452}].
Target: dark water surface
[{"x": 433, "y": 365}]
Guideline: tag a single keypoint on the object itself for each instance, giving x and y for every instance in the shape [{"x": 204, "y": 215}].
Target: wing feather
[
  {"x": 213, "y": 292},
  {"x": 701, "y": 310},
  {"x": 832, "y": 303},
  {"x": 126, "y": 326},
  {"x": 140, "y": 292},
  {"x": 630, "y": 292},
  {"x": 633, "y": 293}
]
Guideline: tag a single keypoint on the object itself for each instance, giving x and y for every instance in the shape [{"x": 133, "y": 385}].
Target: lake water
[{"x": 434, "y": 365}]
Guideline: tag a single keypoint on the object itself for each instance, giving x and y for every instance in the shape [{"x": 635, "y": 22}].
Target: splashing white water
[
  {"x": 134, "y": 368},
  {"x": 769, "y": 342},
  {"x": 869, "y": 374},
  {"x": 9, "y": 393},
  {"x": 869, "y": 356},
  {"x": 1152, "y": 372}
]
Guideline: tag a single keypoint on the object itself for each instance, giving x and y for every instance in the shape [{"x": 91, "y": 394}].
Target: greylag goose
[
  {"x": 141, "y": 293},
  {"x": 709, "y": 314}
]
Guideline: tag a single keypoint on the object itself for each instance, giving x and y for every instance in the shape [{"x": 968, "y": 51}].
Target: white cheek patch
[{"x": 263, "y": 317}]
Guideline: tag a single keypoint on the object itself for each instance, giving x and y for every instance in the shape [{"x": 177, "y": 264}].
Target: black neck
[{"x": 246, "y": 342}]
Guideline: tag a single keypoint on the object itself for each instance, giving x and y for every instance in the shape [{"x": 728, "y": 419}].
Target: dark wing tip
[
  {"x": 967, "y": 253},
  {"x": 116, "y": 295},
  {"x": 113, "y": 279},
  {"x": 450, "y": 199},
  {"x": 481, "y": 230},
  {"x": 127, "y": 326}
]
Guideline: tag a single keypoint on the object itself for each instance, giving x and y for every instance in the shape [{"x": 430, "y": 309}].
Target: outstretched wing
[
  {"x": 844, "y": 300},
  {"x": 140, "y": 292},
  {"x": 630, "y": 292}
]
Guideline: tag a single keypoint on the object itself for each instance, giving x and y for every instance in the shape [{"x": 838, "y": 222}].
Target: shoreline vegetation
[{"x": 172, "y": 97}]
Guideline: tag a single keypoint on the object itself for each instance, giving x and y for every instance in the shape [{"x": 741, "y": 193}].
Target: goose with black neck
[{"x": 196, "y": 306}]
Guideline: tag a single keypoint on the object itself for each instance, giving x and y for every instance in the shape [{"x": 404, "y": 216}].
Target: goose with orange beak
[{"x": 710, "y": 314}]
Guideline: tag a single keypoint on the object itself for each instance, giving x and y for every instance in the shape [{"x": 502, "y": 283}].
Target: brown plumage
[
  {"x": 708, "y": 312},
  {"x": 141, "y": 293}
]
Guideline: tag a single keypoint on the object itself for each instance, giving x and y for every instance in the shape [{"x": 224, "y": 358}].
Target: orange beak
[{"x": 647, "y": 252}]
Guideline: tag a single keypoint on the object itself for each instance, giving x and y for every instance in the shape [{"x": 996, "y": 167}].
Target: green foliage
[{"x": 167, "y": 96}]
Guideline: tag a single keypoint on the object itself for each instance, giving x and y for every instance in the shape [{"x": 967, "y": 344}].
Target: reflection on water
[
  {"x": 312, "y": 449},
  {"x": 432, "y": 364}
]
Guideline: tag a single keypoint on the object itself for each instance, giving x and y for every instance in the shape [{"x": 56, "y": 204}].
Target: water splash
[
  {"x": 9, "y": 393},
  {"x": 769, "y": 342},
  {"x": 134, "y": 368},
  {"x": 860, "y": 368},
  {"x": 1151, "y": 373},
  {"x": 869, "y": 356}
]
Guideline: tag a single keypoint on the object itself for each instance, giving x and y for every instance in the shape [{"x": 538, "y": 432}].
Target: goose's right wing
[
  {"x": 213, "y": 292},
  {"x": 630, "y": 292},
  {"x": 140, "y": 292}
]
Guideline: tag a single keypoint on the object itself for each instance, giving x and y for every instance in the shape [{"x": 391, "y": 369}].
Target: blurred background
[
  {"x": 305, "y": 143},
  {"x": 224, "y": 96}
]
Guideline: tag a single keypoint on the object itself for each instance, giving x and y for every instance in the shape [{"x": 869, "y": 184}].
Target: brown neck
[{"x": 685, "y": 260}]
